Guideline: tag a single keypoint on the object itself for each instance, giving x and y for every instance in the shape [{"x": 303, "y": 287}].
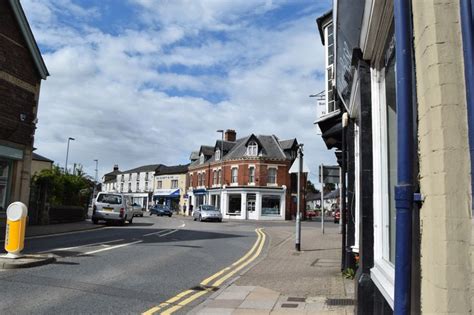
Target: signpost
[{"x": 328, "y": 174}]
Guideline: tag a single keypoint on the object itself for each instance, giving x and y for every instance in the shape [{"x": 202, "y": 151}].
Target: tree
[{"x": 310, "y": 187}]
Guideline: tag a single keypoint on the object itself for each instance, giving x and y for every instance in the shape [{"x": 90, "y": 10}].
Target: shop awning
[
  {"x": 199, "y": 192},
  {"x": 331, "y": 128},
  {"x": 166, "y": 192}
]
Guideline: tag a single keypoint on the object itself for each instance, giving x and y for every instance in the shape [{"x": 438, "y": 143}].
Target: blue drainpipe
[
  {"x": 468, "y": 48},
  {"x": 404, "y": 188}
]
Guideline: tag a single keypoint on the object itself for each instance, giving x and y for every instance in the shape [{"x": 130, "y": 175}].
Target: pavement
[
  {"x": 286, "y": 281},
  {"x": 32, "y": 231}
]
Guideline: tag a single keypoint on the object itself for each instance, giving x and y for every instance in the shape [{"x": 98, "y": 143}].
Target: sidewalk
[
  {"x": 39, "y": 230},
  {"x": 289, "y": 282}
]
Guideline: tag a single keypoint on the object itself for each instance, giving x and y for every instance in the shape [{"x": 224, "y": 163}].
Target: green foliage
[
  {"x": 348, "y": 273},
  {"x": 63, "y": 189},
  {"x": 310, "y": 187}
]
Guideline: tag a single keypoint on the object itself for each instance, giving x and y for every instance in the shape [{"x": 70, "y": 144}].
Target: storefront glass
[
  {"x": 270, "y": 205},
  {"x": 235, "y": 201},
  {"x": 4, "y": 182}
]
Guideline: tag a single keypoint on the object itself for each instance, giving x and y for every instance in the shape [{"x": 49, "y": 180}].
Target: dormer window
[
  {"x": 201, "y": 158},
  {"x": 218, "y": 155},
  {"x": 252, "y": 149}
]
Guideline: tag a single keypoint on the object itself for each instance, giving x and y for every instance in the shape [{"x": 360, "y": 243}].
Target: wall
[
  {"x": 38, "y": 166},
  {"x": 444, "y": 158}
]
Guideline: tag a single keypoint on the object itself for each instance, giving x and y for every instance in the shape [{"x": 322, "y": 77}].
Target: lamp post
[
  {"x": 67, "y": 152},
  {"x": 221, "y": 157},
  {"x": 298, "y": 200}
]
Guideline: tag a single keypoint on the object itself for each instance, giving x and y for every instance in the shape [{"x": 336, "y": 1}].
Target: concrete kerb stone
[{"x": 27, "y": 261}]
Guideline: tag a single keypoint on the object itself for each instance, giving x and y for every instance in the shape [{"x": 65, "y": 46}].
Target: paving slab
[
  {"x": 26, "y": 261},
  {"x": 216, "y": 311}
]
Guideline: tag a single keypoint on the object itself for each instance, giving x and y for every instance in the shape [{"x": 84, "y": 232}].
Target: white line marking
[
  {"x": 170, "y": 232},
  {"x": 109, "y": 248},
  {"x": 86, "y": 245},
  {"x": 63, "y": 233},
  {"x": 156, "y": 233}
]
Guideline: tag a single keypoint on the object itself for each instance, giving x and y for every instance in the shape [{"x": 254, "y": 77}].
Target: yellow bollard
[{"x": 15, "y": 229}]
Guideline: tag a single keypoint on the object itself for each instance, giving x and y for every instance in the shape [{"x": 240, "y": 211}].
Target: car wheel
[
  {"x": 200, "y": 219},
  {"x": 95, "y": 221},
  {"x": 130, "y": 221},
  {"x": 194, "y": 218},
  {"x": 170, "y": 215}
]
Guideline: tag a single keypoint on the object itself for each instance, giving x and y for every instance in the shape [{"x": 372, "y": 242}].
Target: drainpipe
[
  {"x": 404, "y": 188},
  {"x": 343, "y": 210},
  {"x": 468, "y": 48}
]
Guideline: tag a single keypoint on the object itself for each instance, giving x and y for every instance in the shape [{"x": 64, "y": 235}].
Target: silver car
[
  {"x": 112, "y": 207},
  {"x": 207, "y": 213}
]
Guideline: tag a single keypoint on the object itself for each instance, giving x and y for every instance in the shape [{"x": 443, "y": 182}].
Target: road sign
[{"x": 331, "y": 174}]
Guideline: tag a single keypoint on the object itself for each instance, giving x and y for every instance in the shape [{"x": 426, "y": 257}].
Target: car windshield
[
  {"x": 109, "y": 198},
  {"x": 209, "y": 208}
]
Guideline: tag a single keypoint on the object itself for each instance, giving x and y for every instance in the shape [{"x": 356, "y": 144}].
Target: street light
[
  {"x": 222, "y": 166},
  {"x": 67, "y": 152}
]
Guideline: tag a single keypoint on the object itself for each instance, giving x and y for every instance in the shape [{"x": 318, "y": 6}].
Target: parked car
[
  {"x": 336, "y": 215},
  {"x": 112, "y": 207},
  {"x": 138, "y": 210},
  {"x": 207, "y": 213},
  {"x": 161, "y": 210}
]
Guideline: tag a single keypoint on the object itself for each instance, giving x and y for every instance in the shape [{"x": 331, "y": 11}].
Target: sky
[{"x": 139, "y": 82}]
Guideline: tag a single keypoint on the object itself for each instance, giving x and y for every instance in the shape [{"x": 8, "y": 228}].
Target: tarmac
[{"x": 286, "y": 281}]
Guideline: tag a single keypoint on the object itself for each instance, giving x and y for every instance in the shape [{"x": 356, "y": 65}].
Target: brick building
[
  {"x": 21, "y": 71},
  {"x": 246, "y": 178}
]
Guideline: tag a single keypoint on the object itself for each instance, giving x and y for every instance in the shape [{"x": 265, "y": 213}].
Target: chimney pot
[
  {"x": 230, "y": 135},
  {"x": 116, "y": 167}
]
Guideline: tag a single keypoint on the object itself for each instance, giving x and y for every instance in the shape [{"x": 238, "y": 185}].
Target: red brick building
[
  {"x": 246, "y": 178},
  {"x": 21, "y": 71}
]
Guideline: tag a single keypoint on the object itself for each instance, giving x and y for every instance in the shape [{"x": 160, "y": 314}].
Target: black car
[{"x": 161, "y": 210}]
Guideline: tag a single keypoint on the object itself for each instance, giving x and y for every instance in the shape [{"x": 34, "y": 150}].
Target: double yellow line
[{"x": 213, "y": 282}]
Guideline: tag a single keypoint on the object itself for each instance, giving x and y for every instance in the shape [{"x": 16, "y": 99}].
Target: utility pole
[
  {"x": 67, "y": 153},
  {"x": 322, "y": 198},
  {"x": 95, "y": 181},
  {"x": 298, "y": 202}
]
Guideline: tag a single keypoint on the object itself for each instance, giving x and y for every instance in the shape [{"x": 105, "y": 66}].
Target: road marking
[
  {"x": 165, "y": 232},
  {"x": 255, "y": 250},
  {"x": 63, "y": 233},
  {"x": 109, "y": 248},
  {"x": 73, "y": 247},
  {"x": 206, "y": 281}
]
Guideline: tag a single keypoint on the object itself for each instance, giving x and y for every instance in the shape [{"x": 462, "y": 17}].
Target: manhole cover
[
  {"x": 289, "y": 305},
  {"x": 335, "y": 302},
  {"x": 296, "y": 299}
]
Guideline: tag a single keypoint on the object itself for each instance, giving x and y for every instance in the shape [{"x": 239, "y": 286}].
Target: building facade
[
  {"x": 403, "y": 82},
  {"x": 170, "y": 187},
  {"x": 39, "y": 163},
  {"x": 21, "y": 71},
  {"x": 246, "y": 178}
]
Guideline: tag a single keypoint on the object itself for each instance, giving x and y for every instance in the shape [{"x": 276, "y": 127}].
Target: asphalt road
[{"x": 123, "y": 269}]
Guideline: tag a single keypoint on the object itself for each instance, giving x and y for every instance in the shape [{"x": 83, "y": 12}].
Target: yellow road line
[
  {"x": 257, "y": 246},
  {"x": 206, "y": 281}
]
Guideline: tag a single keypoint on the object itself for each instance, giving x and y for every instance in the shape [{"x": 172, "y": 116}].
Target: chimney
[
  {"x": 116, "y": 167},
  {"x": 230, "y": 135}
]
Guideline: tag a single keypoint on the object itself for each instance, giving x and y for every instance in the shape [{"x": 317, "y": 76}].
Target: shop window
[
  {"x": 235, "y": 202},
  {"x": 270, "y": 205}
]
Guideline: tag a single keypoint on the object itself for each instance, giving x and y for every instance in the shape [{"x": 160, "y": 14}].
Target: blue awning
[
  {"x": 199, "y": 191},
  {"x": 166, "y": 193}
]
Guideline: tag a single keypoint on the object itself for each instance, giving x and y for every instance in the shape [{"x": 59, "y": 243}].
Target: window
[
  {"x": 271, "y": 176},
  {"x": 201, "y": 158},
  {"x": 218, "y": 155},
  {"x": 138, "y": 186},
  {"x": 138, "y": 177},
  {"x": 146, "y": 176},
  {"x": 270, "y": 205},
  {"x": 252, "y": 149},
  {"x": 214, "y": 177},
  {"x": 121, "y": 187},
  {"x": 235, "y": 201},
  {"x": 130, "y": 177},
  {"x": 122, "y": 178},
  {"x": 251, "y": 202},
  {"x": 4, "y": 182},
  {"x": 200, "y": 179},
  {"x": 234, "y": 175},
  {"x": 146, "y": 186},
  {"x": 331, "y": 105},
  {"x": 191, "y": 180},
  {"x": 174, "y": 183},
  {"x": 219, "y": 175},
  {"x": 251, "y": 175},
  {"x": 159, "y": 184},
  {"x": 129, "y": 187},
  {"x": 384, "y": 146}
]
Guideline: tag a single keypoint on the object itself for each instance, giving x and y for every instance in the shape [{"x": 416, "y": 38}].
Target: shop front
[{"x": 169, "y": 197}]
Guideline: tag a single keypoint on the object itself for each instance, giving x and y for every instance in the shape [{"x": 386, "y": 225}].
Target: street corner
[{"x": 26, "y": 261}]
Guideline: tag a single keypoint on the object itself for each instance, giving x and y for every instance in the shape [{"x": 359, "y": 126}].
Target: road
[{"x": 130, "y": 269}]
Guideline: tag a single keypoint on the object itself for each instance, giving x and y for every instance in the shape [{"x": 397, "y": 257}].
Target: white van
[{"x": 112, "y": 207}]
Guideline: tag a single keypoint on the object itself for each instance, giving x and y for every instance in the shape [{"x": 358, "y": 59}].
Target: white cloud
[{"x": 120, "y": 96}]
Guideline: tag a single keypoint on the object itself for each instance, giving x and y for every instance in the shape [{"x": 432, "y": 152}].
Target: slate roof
[
  {"x": 207, "y": 150},
  {"x": 38, "y": 157},
  {"x": 313, "y": 196},
  {"x": 332, "y": 195},
  {"x": 144, "y": 168},
  {"x": 287, "y": 144},
  {"x": 194, "y": 156},
  {"x": 269, "y": 148},
  {"x": 175, "y": 169}
]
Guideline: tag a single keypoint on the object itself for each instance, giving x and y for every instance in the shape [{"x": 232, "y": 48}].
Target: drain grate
[
  {"x": 204, "y": 288},
  {"x": 289, "y": 305},
  {"x": 296, "y": 299},
  {"x": 335, "y": 302}
]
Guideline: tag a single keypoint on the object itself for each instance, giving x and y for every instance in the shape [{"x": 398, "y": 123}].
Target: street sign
[{"x": 331, "y": 174}]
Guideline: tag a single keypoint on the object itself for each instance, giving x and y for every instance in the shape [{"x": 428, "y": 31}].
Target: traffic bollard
[{"x": 15, "y": 229}]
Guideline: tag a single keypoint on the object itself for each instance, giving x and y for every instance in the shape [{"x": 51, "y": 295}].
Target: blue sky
[{"x": 148, "y": 81}]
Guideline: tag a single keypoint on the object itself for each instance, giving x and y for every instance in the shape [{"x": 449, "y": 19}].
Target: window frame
[
  {"x": 251, "y": 179},
  {"x": 252, "y": 148},
  {"x": 275, "y": 169},
  {"x": 234, "y": 178}
]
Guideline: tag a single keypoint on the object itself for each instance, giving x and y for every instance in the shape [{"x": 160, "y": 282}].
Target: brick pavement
[{"x": 286, "y": 281}]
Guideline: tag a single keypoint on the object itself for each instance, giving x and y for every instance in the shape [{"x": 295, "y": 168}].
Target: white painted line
[
  {"x": 170, "y": 232},
  {"x": 156, "y": 233},
  {"x": 109, "y": 248},
  {"x": 73, "y": 247}
]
